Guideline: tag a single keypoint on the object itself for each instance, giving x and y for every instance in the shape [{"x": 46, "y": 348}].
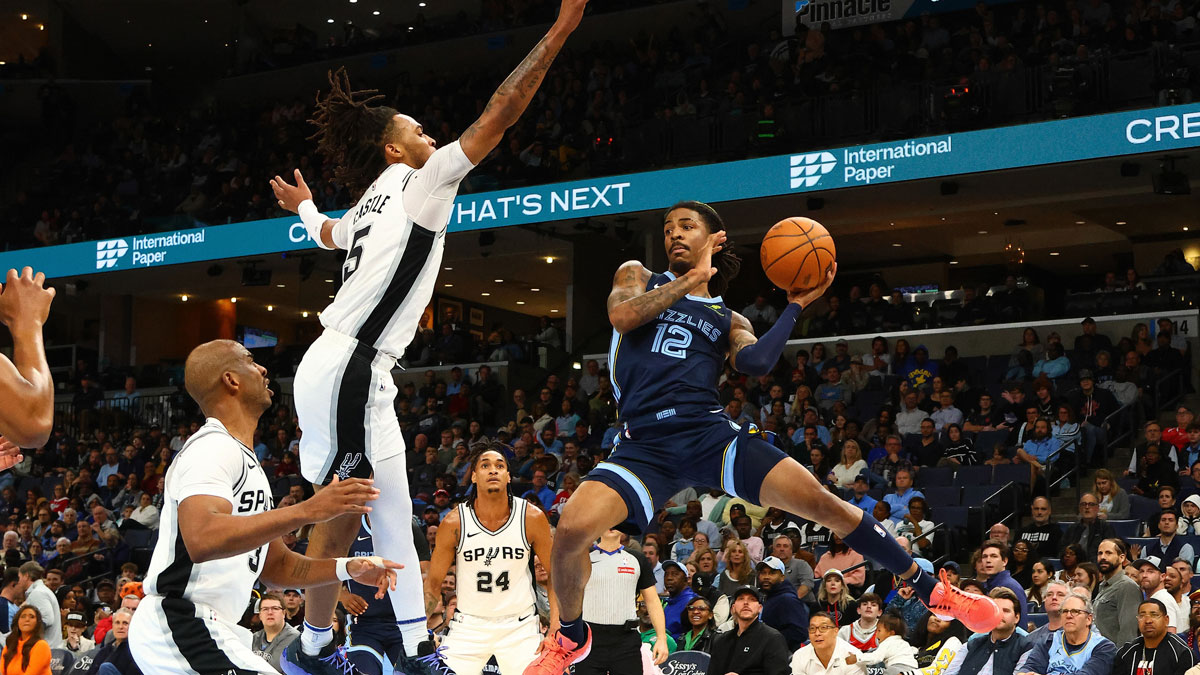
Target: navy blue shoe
[
  {"x": 429, "y": 661},
  {"x": 331, "y": 661}
]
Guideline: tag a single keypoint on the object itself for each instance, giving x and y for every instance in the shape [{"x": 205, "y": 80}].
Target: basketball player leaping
[
  {"x": 491, "y": 539},
  {"x": 344, "y": 391},
  {"x": 672, "y": 334}
]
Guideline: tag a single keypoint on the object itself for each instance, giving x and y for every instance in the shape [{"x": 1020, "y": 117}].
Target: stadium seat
[
  {"x": 1064, "y": 525},
  {"x": 1141, "y": 508},
  {"x": 1126, "y": 529},
  {"x": 938, "y": 497},
  {"x": 953, "y": 516},
  {"x": 61, "y": 661},
  {"x": 975, "y": 495},
  {"x": 1056, "y": 562},
  {"x": 986, "y": 441},
  {"x": 971, "y": 476},
  {"x": 934, "y": 476},
  {"x": 1038, "y": 620},
  {"x": 1012, "y": 473},
  {"x": 1141, "y": 541}
]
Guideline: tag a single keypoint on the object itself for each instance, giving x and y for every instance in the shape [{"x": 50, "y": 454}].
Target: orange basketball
[{"x": 797, "y": 253}]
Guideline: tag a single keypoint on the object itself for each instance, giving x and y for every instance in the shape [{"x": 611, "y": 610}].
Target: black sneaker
[
  {"x": 429, "y": 661},
  {"x": 331, "y": 661}
]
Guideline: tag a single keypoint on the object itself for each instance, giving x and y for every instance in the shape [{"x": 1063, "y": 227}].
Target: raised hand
[
  {"x": 290, "y": 196},
  {"x": 704, "y": 270},
  {"x": 24, "y": 300},
  {"x": 339, "y": 497},
  {"x": 570, "y": 13}
]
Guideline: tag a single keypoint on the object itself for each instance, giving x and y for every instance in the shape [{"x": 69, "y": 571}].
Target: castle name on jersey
[
  {"x": 489, "y": 553},
  {"x": 675, "y": 316},
  {"x": 373, "y": 205}
]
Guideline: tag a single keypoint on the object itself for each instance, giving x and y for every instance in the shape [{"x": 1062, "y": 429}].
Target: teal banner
[{"x": 1068, "y": 140}]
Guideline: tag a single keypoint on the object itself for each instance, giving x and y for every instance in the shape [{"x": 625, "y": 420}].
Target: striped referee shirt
[{"x": 617, "y": 577}]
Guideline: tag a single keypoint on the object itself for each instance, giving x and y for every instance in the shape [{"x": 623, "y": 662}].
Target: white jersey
[
  {"x": 213, "y": 463},
  {"x": 494, "y": 569},
  {"x": 394, "y": 237}
]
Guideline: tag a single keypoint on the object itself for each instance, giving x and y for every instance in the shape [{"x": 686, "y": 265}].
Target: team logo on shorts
[
  {"x": 807, "y": 169},
  {"x": 348, "y": 464},
  {"x": 109, "y": 252}
]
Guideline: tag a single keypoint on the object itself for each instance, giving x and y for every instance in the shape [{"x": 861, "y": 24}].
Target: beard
[{"x": 1105, "y": 567}]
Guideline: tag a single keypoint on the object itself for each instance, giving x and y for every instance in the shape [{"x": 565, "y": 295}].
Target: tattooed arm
[
  {"x": 630, "y": 305},
  {"x": 515, "y": 93},
  {"x": 285, "y": 568}
]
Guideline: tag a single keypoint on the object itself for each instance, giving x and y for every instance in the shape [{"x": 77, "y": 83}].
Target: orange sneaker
[
  {"x": 558, "y": 654},
  {"x": 978, "y": 613}
]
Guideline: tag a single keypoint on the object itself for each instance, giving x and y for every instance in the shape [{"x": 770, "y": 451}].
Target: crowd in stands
[
  {"x": 893, "y": 432},
  {"x": 154, "y": 169}
]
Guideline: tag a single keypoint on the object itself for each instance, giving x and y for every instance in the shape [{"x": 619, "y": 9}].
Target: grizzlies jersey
[
  {"x": 378, "y": 611},
  {"x": 495, "y": 577},
  {"x": 673, "y": 360}
]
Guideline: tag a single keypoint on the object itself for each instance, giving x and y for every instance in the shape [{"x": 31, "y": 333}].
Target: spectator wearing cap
[
  {"x": 860, "y": 496},
  {"x": 1000, "y": 651},
  {"x": 276, "y": 634},
  {"x": 783, "y": 609},
  {"x": 1076, "y": 649},
  {"x": 678, "y": 593},
  {"x": 76, "y": 642},
  {"x": 798, "y": 572},
  {"x": 828, "y": 653},
  {"x": 1151, "y": 580},
  {"x": 752, "y": 647},
  {"x": 1177, "y": 435},
  {"x": 1155, "y": 650},
  {"x": 834, "y": 598},
  {"x": 1091, "y": 341},
  {"x": 1092, "y": 405},
  {"x": 293, "y": 605}
]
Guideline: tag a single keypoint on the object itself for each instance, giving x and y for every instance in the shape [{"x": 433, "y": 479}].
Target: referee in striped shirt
[{"x": 609, "y": 606}]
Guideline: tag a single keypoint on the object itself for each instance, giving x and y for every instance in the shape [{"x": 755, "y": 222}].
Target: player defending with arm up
[
  {"x": 395, "y": 236},
  {"x": 672, "y": 333},
  {"x": 27, "y": 417}
]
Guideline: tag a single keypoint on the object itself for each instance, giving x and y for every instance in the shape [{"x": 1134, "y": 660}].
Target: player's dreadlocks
[
  {"x": 477, "y": 451},
  {"x": 350, "y": 132},
  {"x": 727, "y": 262}
]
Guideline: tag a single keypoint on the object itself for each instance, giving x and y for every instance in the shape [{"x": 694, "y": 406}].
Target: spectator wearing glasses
[
  {"x": 1076, "y": 649},
  {"x": 826, "y": 653},
  {"x": 699, "y": 616},
  {"x": 276, "y": 633},
  {"x": 1155, "y": 650},
  {"x": 1090, "y": 530}
]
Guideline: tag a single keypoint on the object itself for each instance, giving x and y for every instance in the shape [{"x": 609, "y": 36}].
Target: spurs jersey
[
  {"x": 394, "y": 238},
  {"x": 212, "y": 462},
  {"x": 495, "y": 576}
]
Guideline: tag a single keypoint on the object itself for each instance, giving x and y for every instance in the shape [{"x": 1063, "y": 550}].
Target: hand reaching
[
  {"x": 290, "y": 196},
  {"x": 339, "y": 497},
  {"x": 10, "y": 454},
  {"x": 375, "y": 571},
  {"x": 24, "y": 298}
]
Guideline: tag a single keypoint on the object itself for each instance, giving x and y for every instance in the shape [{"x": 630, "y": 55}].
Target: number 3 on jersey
[
  {"x": 483, "y": 583},
  {"x": 356, "y": 249},
  {"x": 674, "y": 346}
]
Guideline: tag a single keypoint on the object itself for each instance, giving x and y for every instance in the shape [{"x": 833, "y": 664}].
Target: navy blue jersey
[
  {"x": 378, "y": 611},
  {"x": 674, "y": 360}
]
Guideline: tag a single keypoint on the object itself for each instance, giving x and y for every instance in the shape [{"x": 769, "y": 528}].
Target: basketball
[{"x": 797, "y": 253}]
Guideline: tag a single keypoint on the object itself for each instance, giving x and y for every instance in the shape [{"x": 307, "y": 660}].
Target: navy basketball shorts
[
  {"x": 374, "y": 648},
  {"x": 659, "y": 454}
]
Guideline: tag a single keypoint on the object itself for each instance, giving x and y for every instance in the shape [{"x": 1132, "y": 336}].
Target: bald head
[{"x": 224, "y": 371}]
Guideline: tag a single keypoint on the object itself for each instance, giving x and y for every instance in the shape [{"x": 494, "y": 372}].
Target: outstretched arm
[
  {"x": 285, "y": 568},
  {"x": 755, "y": 356},
  {"x": 27, "y": 416},
  {"x": 298, "y": 199},
  {"x": 514, "y": 94}
]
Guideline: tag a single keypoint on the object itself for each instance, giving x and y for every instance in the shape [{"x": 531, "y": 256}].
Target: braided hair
[
  {"x": 727, "y": 262},
  {"x": 350, "y": 132}
]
